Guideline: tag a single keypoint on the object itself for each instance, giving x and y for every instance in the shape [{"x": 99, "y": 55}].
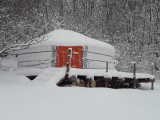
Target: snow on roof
[{"x": 71, "y": 38}]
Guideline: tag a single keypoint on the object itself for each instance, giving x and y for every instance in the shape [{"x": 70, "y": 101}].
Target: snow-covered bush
[{"x": 8, "y": 64}]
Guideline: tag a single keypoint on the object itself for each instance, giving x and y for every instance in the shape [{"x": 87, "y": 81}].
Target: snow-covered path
[{"x": 23, "y": 101}]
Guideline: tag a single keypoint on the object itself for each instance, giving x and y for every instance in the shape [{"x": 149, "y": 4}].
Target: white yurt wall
[
  {"x": 97, "y": 57},
  {"x": 38, "y": 57}
]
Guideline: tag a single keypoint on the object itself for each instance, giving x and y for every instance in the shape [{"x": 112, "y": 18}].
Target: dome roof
[{"x": 70, "y": 38}]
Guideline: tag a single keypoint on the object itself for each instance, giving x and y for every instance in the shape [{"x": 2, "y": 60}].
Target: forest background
[{"x": 131, "y": 26}]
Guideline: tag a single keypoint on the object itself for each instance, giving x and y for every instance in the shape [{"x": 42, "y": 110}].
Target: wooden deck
[
  {"x": 104, "y": 77},
  {"x": 82, "y": 79}
]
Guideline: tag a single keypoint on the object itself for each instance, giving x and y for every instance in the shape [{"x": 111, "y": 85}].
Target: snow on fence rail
[{"x": 149, "y": 68}]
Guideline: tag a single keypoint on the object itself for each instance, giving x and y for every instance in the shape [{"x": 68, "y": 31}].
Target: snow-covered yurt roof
[{"x": 71, "y": 38}]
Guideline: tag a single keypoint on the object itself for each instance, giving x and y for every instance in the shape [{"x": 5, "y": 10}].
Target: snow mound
[
  {"x": 29, "y": 71},
  {"x": 11, "y": 78},
  {"x": 50, "y": 76}
]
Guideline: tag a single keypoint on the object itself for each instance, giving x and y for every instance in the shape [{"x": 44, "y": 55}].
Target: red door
[{"x": 62, "y": 56}]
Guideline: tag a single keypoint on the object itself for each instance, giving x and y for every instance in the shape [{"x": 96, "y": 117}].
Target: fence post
[
  {"x": 152, "y": 70},
  {"x": 152, "y": 85},
  {"x": 134, "y": 75},
  {"x": 106, "y": 66},
  {"x": 69, "y": 59}
]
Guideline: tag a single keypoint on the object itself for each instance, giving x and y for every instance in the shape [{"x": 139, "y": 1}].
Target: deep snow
[{"x": 22, "y": 99}]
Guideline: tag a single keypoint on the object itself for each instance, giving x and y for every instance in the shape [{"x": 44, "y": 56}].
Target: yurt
[{"x": 87, "y": 53}]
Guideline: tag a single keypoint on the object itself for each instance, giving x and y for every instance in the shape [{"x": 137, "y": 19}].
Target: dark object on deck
[{"x": 31, "y": 77}]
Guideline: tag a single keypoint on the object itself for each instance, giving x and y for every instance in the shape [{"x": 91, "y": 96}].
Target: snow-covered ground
[{"x": 22, "y": 99}]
